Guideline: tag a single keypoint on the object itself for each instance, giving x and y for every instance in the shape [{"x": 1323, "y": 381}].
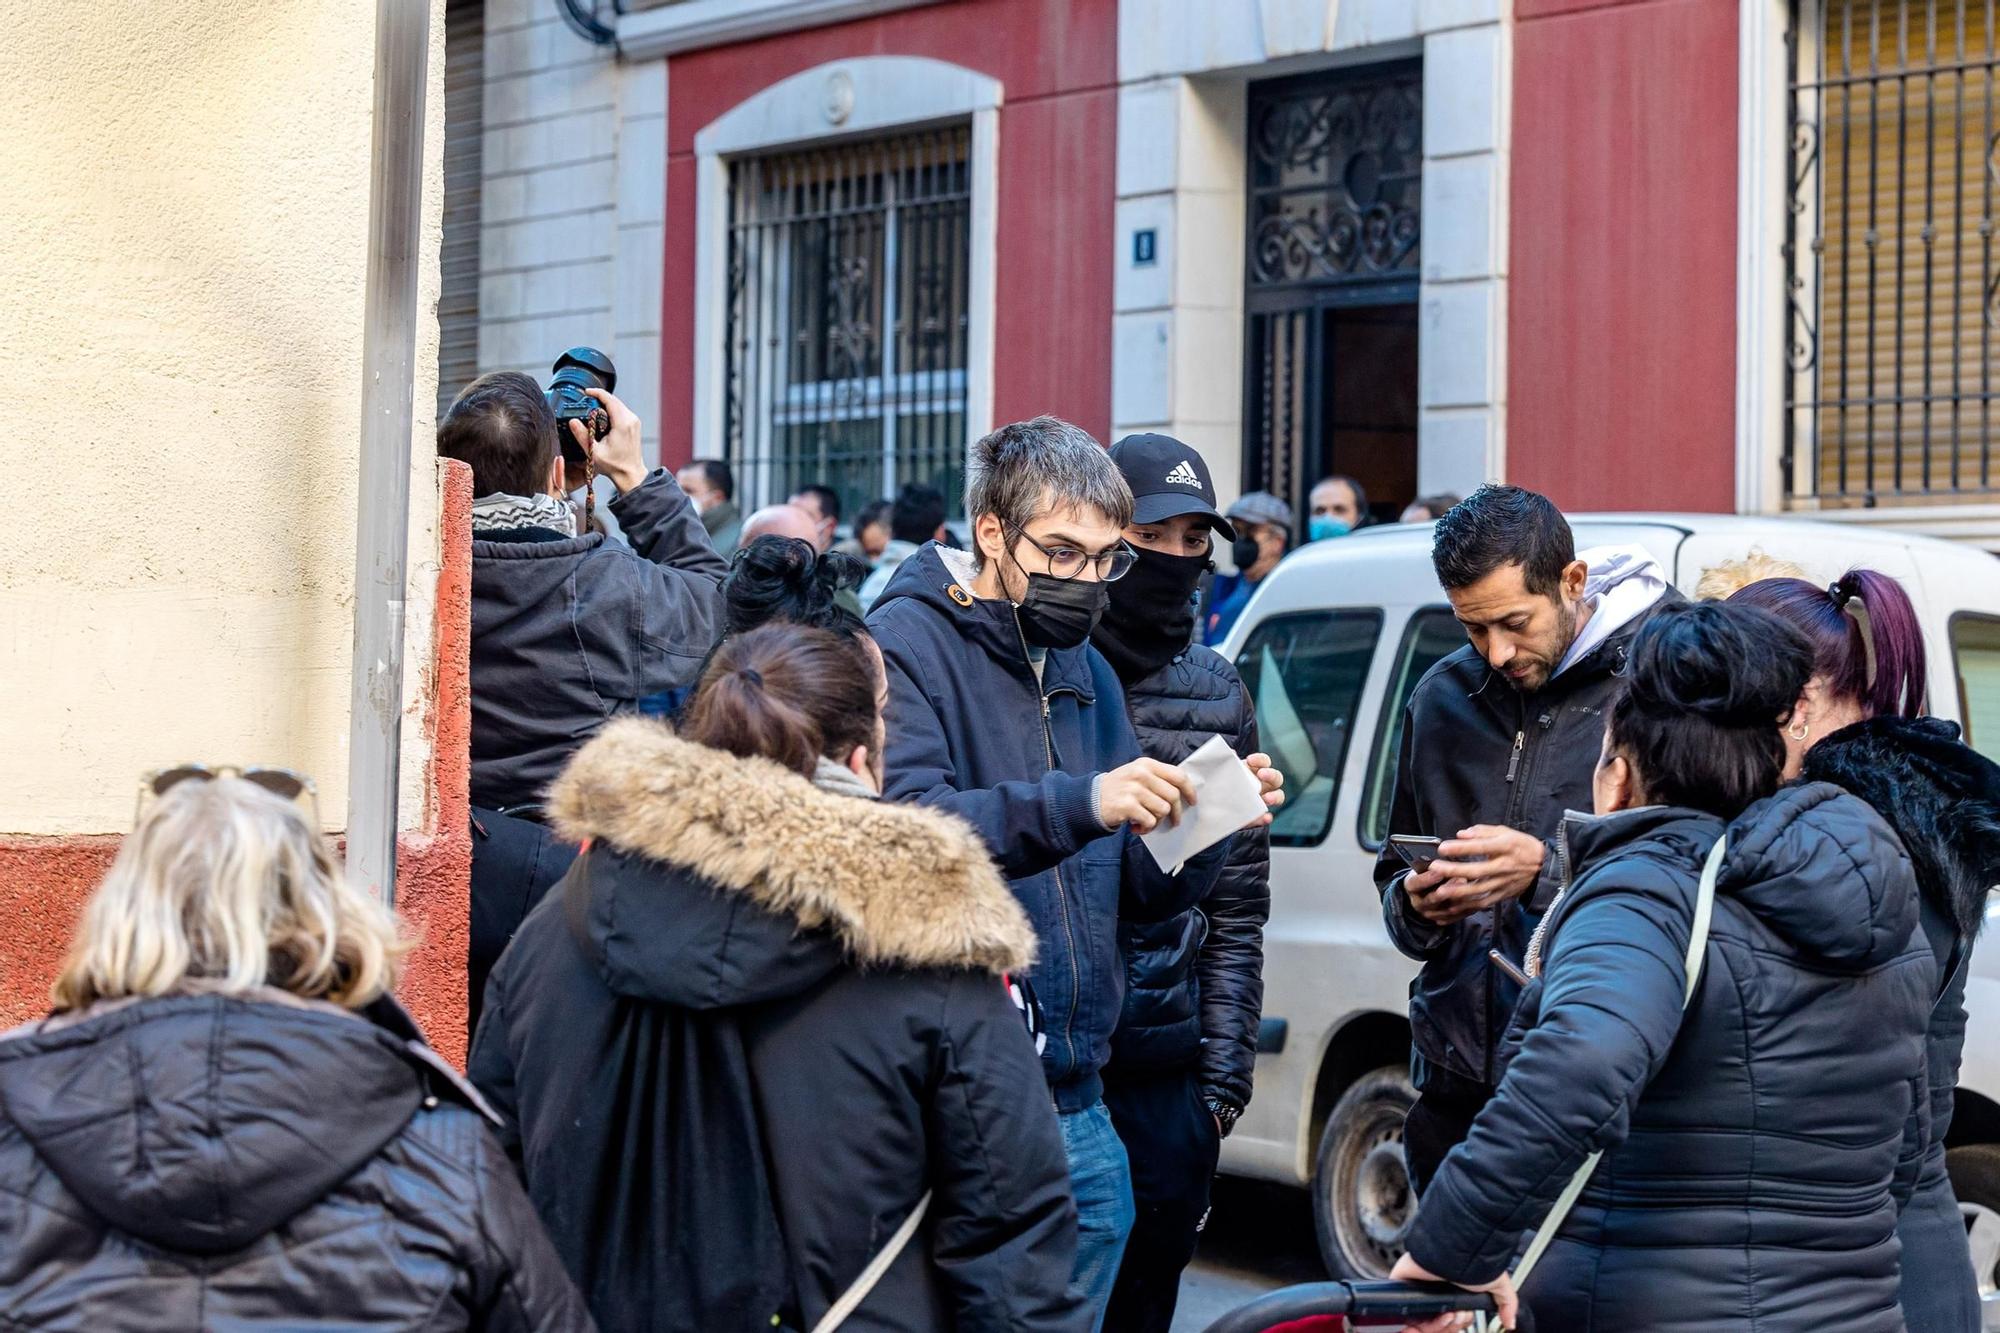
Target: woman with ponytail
[
  {"x": 758, "y": 1042},
  {"x": 1860, "y": 724},
  {"x": 1759, "y": 1131}
]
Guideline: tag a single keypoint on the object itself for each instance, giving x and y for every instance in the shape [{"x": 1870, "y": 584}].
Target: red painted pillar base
[{"x": 44, "y": 882}]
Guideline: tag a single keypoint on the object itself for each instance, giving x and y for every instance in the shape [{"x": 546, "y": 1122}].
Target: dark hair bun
[
  {"x": 783, "y": 578},
  {"x": 1731, "y": 665}
]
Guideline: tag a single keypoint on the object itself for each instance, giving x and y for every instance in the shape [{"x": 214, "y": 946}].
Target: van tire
[
  {"x": 1975, "y": 1179},
  {"x": 1362, "y": 1200}
]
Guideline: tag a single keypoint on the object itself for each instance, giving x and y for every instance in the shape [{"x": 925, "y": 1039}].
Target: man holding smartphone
[{"x": 1498, "y": 740}]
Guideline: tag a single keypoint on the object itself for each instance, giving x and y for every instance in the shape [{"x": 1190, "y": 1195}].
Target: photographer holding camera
[{"x": 568, "y": 629}]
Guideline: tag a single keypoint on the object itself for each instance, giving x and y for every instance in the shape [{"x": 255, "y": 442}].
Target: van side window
[
  {"x": 1306, "y": 672},
  {"x": 1975, "y": 658},
  {"x": 1433, "y": 634}
]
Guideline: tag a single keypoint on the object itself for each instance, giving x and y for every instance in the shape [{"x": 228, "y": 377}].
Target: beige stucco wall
[{"x": 184, "y": 230}]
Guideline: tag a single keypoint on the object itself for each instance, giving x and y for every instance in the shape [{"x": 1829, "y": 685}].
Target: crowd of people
[{"x": 853, "y": 990}]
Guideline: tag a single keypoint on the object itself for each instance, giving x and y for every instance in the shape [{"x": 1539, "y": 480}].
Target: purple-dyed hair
[{"x": 1841, "y": 657}]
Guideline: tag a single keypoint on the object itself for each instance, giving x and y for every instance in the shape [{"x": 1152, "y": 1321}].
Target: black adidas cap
[{"x": 1167, "y": 478}]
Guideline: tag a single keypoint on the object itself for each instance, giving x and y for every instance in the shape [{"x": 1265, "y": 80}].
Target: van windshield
[{"x": 1306, "y": 672}]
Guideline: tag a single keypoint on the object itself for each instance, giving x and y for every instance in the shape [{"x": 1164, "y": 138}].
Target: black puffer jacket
[
  {"x": 1757, "y": 1148},
  {"x": 755, "y": 1024},
  {"x": 209, "y": 1162},
  {"x": 1943, "y": 799},
  {"x": 1194, "y": 988}
]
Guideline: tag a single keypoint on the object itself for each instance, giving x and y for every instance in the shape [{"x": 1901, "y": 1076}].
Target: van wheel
[
  {"x": 1362, "y": 1200},
  {"x": 1975, "y": 1179}
]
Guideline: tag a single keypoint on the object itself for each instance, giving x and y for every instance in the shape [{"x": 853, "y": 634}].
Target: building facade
[
  {"x": 185, "y": 311},
  {"x": 1641, "y": 254}
]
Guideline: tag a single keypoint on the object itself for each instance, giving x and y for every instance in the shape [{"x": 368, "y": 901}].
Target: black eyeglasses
[
  {"x": 1066, "y": 562},
  {"x": 280, "y": 782}
]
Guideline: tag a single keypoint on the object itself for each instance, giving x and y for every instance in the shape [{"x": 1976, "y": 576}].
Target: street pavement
[{"x": 1259, "y": 1237}]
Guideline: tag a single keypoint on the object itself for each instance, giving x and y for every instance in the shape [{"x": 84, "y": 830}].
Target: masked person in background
[
  {"x": 1002, "y": 713},
  {"x": 711, "y": 484},
  {"x": 1337, "y": 507},
  {"x": 1263, "y": 525},
  {"x": 916, "y": 517},
  {"x": 1186, "y": 1042},
  {"x": 871, "y": 533}
]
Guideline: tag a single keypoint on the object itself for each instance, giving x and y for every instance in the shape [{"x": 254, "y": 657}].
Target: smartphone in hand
[{"x": 1417, "y": 852}]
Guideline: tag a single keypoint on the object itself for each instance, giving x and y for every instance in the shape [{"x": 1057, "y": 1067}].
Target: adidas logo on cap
[{"x": 1183, "y": 474}]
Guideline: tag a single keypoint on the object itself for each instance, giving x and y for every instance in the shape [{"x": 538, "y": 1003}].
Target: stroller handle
[{"x": 1367, "y": 1300}]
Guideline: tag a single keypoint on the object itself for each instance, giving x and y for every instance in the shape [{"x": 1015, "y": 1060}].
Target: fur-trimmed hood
[
  {"x": 1940, "y": 795},
  {"x": 893, "y": 885}
]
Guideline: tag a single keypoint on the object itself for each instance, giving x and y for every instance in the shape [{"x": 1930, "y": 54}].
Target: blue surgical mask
[{"x": 1324, "y": 526}]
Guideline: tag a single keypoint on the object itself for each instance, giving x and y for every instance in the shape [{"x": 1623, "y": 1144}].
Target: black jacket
[
  {"x": 1756, "y": 1148},
  {"x": 973, "y": 731},
  {"x": 747, "y": 1033},
  {"x": 1943, "y": 799},
  {"x": 1194, "y": 984},
  {"x": 570, "y": 631},
  {"x": 208, "y": 1162},
  {"x": 1475, "y": 750}
]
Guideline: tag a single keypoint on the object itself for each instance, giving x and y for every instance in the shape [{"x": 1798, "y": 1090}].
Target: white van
[{"x": 1348, "y": 627}]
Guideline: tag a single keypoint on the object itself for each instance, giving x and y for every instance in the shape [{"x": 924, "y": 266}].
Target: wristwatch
[{"x": 1225, "y": 1114}]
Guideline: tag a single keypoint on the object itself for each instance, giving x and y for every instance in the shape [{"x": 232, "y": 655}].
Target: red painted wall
[
  {"x": 1622, "y": 285},
  {"x": 1058, "y": 63},
  {"x": 44, "y": 882}
]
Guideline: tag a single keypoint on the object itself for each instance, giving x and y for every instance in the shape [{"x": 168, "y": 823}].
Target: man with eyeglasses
[{"x": 1002, "y": 713}]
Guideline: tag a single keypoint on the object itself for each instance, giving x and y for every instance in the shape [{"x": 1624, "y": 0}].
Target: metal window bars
[
  {"x": 1891, "y": 272},
  {"x": 848, "y": 276}
]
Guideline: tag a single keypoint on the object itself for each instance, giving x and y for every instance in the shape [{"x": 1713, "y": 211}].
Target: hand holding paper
[{"x": 1232, "y": 794}]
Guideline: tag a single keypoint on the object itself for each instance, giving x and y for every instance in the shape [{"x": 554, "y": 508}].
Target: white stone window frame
[
  {"x": 846, "y": 99},
  {"x": 1172, "y": 322},
  {"x": 1763, "y": 307}
]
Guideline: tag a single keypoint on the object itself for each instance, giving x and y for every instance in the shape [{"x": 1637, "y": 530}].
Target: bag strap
[
  {"x": 1704, "y": 911},
  {"x": 1954, "y": 963},
  {"x": 850, "y": 1300}
]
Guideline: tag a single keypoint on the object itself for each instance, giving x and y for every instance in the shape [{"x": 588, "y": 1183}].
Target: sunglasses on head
[{"x": 280, "y": 782}]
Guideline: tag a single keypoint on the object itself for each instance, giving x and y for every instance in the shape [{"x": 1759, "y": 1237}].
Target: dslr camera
[{"x": 578, "y": 369}]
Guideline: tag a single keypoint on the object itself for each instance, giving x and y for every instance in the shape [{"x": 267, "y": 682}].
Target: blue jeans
[{"x": 1102, "y": 1180}]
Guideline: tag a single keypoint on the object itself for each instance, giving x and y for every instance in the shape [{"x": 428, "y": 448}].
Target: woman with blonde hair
[{"x": 227, "y": 1120}]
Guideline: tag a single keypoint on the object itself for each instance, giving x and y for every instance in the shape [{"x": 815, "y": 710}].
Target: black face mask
[
  {"x": 1245, "y": 551},
  {"x": 1059, "y": 613},
  {"x": 1151, "y": 617}
]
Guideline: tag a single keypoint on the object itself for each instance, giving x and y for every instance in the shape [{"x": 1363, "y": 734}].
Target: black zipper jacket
[
  {"x": 1194, "y": 984},
  {"x": 1477, "y": 751},
  {"x": 569, "y": 632},
  {"x": 972, "y": 731}
]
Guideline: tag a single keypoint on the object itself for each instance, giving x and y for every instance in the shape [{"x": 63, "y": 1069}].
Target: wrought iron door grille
[
  {"x": 1335, "y": 181},
  {"x": 845, "y": 357},
  {"x": 1890, "y": 264},
  {"x": 1336, "y": 165}
]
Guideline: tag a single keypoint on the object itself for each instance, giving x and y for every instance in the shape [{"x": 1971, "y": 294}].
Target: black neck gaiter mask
[{"x": 1151, "y": 616}]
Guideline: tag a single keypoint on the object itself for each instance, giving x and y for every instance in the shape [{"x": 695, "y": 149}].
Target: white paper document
[{"x": 1227, "y": 796}]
